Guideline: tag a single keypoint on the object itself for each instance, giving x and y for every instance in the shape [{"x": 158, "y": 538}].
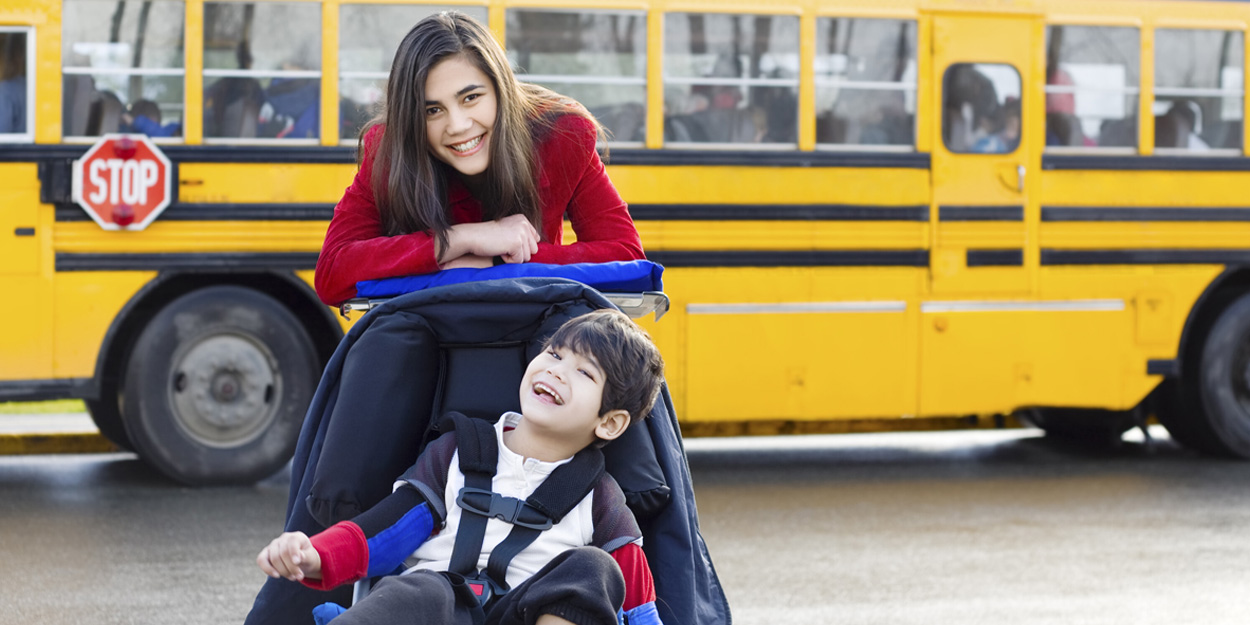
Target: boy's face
[{"x": 561, "y": 393}]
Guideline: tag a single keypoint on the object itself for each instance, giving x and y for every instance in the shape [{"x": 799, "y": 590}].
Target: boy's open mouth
[{"x": 543, "y": 389}]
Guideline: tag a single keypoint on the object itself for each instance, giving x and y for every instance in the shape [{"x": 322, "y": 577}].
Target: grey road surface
[{"x": 933, "y": 528}]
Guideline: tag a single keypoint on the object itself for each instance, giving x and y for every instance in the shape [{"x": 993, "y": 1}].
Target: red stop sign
[{"x": 123, "y": 182}]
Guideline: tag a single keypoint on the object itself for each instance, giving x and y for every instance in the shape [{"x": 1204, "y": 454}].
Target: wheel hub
[{"x": 223, "y": 389}]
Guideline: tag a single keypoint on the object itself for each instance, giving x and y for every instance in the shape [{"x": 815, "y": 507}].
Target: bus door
[
  {"x": 982, "y": 168},
  {"x": 972, "y": 360}
]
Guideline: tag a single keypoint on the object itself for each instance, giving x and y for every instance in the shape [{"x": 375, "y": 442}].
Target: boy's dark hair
[{"x": 631, "y": 364}]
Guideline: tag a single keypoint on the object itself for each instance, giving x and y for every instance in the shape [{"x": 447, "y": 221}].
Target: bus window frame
[
  {"x": 942, "y": 108},
  {"x": 1172, "y": 92},
  {"x": 913, "y": 87},
  {"x": 1138, "y": 91},
  {"x": 748, "y": 83},
  {"x": 181, "y": 139},
  {"x": 590, "y": 79},
  {"x": 258, "y": 74},
  {"x": 29, "y": 135}
]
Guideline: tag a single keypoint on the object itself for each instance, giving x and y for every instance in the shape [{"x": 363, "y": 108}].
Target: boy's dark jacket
[{"x": 465, "y": 348}]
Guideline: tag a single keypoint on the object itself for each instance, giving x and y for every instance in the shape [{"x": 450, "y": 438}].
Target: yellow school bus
[{"x": 896, "y": 213}]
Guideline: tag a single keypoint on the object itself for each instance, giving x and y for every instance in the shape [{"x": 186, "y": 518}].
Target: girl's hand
[
  {"x": 291, "y": 556},
  {"x": 468, "y": 261},
  {"x": 512, "y": 238}
]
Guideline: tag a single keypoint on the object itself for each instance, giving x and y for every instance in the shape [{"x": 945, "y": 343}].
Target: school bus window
[
  {"x": 1092, "y": 79},
  {"x": 262, "y": 70},
  {"x": 16, "y": 88},
  {"x": 369, "y": 34},
  {"x": 731, "y": 79},
  {"x": 123, "y": 67},
  {"x": 598, "y": 58},
  {"x": 1198, "y": 90},
  {"x": 865, "y": 82},
  {"x": 981, "y": 108}
]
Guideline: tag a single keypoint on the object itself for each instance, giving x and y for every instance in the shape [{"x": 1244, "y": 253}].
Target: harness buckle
[
  {"x": 507, "y": 509},
  {"x": 484, "y": 588}
]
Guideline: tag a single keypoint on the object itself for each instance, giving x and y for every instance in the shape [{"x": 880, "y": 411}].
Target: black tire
[
  {"x": 1177, "y": 415},
  {"x": 1217, "y": 403},
  {"x": 217, "y": 387},
  {"x": 1082, "y": 426},
  {"x": 107, "y": 415}
]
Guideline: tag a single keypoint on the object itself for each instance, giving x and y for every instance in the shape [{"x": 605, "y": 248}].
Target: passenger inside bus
[
  {"x": 144, "y": 116},
  {"x": 1001, "y": 130},
  {"x": 232, "y": 104},
  {"x": 1180, "y": 126},
  {"x": 292, "y": 106}
]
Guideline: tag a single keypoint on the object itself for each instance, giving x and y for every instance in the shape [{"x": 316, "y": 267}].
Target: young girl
[{"x": 466, "y": 167}]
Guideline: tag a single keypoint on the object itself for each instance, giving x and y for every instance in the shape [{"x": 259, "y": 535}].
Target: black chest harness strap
[{"x": 478, "y": 449}]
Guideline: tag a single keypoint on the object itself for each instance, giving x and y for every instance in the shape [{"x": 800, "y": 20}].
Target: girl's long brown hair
[{"x": 409, "y": 184}]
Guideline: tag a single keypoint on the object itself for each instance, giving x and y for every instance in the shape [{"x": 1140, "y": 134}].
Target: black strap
[
  {"x": 566, "y": 487},
  {"x": 479, "y": 453},
  {"x": 478, "y": 449}
]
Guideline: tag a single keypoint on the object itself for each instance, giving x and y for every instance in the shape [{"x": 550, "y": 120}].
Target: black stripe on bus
[
  {"x": 24, "y": 232},
  {"x": 1146, "y": 257},
  {"x": 777, "y": 212},
  {"x": 38, "y": 390},
  {"x": 995, "y": 258},
  {"x": 200, "y": 261},
  {"x": 619, "y": 156},
  {"x": 981, "y": 213},
  {"x": 196, "y": 153},
  {"x": 640, "y": 212},
  {"x": 1143, "y": 213},
  {"x": 829, "y": 258},
  {"x": 221, "y": 212},
  {"x": 766, "y": 158},
  {"x": 1112, "y": 162}
]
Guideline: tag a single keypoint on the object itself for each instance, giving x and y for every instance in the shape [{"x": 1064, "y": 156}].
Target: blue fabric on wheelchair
[{"x": 622, "y": 276}]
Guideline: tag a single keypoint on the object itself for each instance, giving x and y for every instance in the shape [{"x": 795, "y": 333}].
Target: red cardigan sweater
[{"x": 571, "y": 181}]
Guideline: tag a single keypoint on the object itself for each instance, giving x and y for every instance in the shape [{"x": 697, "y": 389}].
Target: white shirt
[{"x": 517, "y": 477}]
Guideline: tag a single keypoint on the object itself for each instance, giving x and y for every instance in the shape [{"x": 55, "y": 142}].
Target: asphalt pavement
[{"x": 925, "y": 528}]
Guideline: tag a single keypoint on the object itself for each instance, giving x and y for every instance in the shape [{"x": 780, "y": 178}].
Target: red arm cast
[{"x": 639, "y": 586}]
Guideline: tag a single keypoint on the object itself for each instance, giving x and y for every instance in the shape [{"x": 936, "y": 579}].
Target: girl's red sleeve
[
  {"x": 355, "y": 248},
  {"x": 573, "y": 182}
]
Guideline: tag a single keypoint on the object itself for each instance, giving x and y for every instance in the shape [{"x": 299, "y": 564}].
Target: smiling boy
[{"x": 596, "y": 375}]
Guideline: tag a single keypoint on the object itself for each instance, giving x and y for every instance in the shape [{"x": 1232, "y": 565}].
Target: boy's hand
[{"x": 292, "y": 556}]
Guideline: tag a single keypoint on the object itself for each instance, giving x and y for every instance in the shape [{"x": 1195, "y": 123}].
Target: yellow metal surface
[
  {"x": 193, "y": 236},
  {"x": 215, "y": 183},
  {"x": 88, "y": 304},
  {"x": 770, "y": 185},
  {"x": 1143, "y": 188},
  {"x": 782, "y": 235}
]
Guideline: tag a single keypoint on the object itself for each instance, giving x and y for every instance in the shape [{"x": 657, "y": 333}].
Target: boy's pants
[{"x": 582, "y": 585}]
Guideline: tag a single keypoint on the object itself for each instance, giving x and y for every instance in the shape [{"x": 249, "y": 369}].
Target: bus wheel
[
  {"x": 107, "y": 416},
  {"x": 217, "y": 386},
  {"x": 1223, "y": 384}
]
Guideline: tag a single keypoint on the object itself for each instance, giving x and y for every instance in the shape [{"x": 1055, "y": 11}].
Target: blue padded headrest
[{"x": 632, "y": 276}]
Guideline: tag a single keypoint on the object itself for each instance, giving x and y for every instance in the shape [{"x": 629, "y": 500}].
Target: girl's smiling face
[{"x": 460, "y": 105}]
